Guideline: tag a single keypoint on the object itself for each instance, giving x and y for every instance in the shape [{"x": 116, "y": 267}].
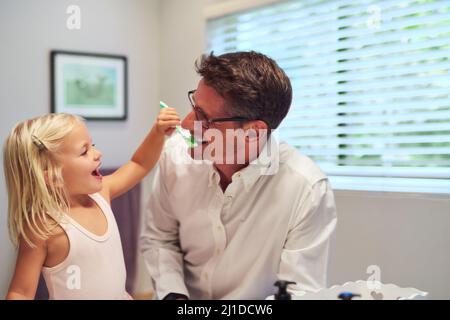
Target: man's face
[{"x": 221, "y": 142}]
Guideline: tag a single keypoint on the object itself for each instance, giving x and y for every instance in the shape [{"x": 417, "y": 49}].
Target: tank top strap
[
  {"x": 103, "y": 204},
  {"x": 107, "y": 212}
]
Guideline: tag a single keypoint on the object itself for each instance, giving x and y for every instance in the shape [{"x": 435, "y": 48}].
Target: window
[{"x": 371, "y": 85}]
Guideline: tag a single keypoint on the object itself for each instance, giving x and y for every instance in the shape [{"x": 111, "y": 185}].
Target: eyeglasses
[{"x": 201, "y": 116}]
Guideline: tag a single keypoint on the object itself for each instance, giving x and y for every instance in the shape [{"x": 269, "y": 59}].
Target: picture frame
[{"x": 91, "y": 85}]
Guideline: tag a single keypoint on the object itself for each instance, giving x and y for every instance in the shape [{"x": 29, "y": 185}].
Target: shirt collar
[
  {"x": 213, "y": 176},
  {"x": 266, "y": 164}
]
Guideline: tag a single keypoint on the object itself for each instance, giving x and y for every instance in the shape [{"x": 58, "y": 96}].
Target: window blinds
[{"x": 371, "y": 80}]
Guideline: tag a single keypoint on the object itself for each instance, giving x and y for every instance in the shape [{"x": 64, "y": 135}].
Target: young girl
[{"x": 59, "y": 206}]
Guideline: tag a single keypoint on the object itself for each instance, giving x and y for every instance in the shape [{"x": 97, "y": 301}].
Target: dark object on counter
[
  {"x": 175, "y": 296},
  {"x": 348, "y": 295},
  {"x": 282, "y": 293}
]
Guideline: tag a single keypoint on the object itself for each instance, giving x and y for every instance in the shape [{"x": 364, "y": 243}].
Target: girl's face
[{"x": 80, "y": 162}]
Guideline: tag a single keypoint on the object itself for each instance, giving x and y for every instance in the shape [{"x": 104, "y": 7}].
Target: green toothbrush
[{"x": 182, "y": 132}]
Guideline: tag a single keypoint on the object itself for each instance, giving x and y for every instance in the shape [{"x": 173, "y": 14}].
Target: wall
[
  {"x": 406, "y": 235},
  {"x": 30, "y": 29}
]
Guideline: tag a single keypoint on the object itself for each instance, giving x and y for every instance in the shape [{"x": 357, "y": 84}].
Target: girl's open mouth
[{"x": 96, "y": 173}]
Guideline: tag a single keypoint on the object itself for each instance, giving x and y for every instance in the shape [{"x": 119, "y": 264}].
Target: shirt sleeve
[
  {"x": 304, "y": 258},
  {"x": 159, "y": 240}
]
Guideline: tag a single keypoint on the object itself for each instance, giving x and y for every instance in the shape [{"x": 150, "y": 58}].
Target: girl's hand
[
  {"x": 168, "y": 118},
  {"x": 145, "y": 157}
]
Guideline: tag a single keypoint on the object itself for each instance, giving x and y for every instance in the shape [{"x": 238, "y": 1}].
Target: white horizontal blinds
[{"x": 371, "y": 80}]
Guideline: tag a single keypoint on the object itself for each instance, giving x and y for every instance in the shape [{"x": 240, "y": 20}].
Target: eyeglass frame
[{"x": 208, "y": 122}]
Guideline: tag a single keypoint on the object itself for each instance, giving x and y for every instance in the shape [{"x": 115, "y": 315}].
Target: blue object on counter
[{"x": 348, "y": 295}]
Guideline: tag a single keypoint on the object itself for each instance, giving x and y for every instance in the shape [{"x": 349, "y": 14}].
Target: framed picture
[{"x": 90, "y": 85}]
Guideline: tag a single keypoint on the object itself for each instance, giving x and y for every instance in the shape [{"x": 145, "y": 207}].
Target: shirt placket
[{"x": 218, "y": 208}]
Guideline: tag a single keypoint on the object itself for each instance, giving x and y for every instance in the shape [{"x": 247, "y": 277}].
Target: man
[{"x": 220, "y": 228}]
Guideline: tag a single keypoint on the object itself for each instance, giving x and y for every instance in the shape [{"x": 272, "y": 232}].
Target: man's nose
[{"x": 188, "y": 121}]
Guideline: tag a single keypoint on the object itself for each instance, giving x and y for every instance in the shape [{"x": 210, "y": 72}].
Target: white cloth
[
  {"x": 209, "y": 244},
  {"x": 94, "y": 267}
]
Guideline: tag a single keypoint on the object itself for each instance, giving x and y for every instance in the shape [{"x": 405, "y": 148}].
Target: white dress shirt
[{"x": 274, "y": 221}]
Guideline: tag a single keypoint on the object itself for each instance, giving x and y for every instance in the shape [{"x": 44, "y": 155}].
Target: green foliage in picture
[{"x": 85, "y": 86}]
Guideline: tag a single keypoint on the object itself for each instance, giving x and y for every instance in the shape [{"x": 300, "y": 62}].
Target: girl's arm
[
  {"x": 145, "y": 157},
  {"x": 28, "y": 269}
]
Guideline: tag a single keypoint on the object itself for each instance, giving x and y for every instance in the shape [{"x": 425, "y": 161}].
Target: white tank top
[{"x": 94, "y": 267}]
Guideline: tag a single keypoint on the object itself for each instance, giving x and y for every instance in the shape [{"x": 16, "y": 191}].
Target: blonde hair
[{"x": 36, "y": 194}]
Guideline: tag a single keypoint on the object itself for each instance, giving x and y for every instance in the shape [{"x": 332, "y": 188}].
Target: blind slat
[
  {"x": 333, "y": 140},
  {"x": 310, "y": 66},
  {"x": 317, "y": 97},
  {"x": 332, "y": 120},
  {"x": 322, "y": 131},
  {"x": 409, "y": 106},
  {"x": 376, "y": 151},
  {"x": 422, "y": 70}
]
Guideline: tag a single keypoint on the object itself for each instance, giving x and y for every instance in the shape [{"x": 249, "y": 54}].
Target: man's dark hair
[{"x": 252, "y": 84}]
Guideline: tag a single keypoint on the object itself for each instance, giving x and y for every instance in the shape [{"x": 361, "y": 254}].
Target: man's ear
[{"x": 255, "y": 129}]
